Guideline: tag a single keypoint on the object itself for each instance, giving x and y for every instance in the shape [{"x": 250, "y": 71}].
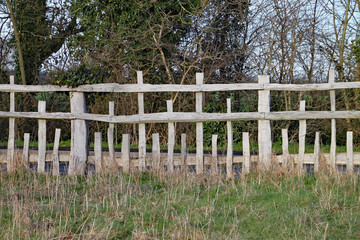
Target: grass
[{"x": 181, "y": 206}]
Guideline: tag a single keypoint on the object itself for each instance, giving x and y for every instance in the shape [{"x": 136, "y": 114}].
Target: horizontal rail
[
  {"x": 187, "y": 116},
  {"x": 146, "y": 88}
]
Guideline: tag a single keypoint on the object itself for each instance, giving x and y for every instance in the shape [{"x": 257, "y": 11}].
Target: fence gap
[
  {"x": 317, "y": 152},
  {"x": 333, "y": 122},
  {"x": 98, "y": 152},
  {"x": 171, "y": 138},
  {"x": 183, "y": 151},
  {"x": 302, "y": 138},
  {"x": 110, "y": 135},
  {"x": 125, "y": 153},
  {"x": 285, "y": 147},
  {"x": 229, "y": 155},
  {"x": 26, "y": 148},
  {"x": 41, "y": 138},
  {"x": 10, "y": 158},
  {"x": 214, "y": 155},
  {"x": 264, "y": 127},
  {"x": 56, "y": 164},
  {"x": 156, "y": 152},
  {"x": 142, "y": 133},
  {"x": 199, "y": 127},
  {"x": 349, "y": 152},
  {"x": 246, "y": 152}
]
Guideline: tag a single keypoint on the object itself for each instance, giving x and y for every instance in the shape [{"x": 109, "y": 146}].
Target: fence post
[
  {"x": 11, "y": 141},
  {"x": 110, "y": 135},
  {"x": 302, "y": 135},
  {"x": 285, "y": 146},
  {"x": 183, "y": 151},
  {"x": 333, "y": 123},
  {"x": 79, "y": 135},
  {"x": 246, "y": 152},
  {"x": 142, "y": 134},
  {"x": 156, "y": 152},
  {"x": 317, "y": 152},
  {"x": 264, "y": 127},
  {"x": 349, "y": 152},
  {"x": 214, "y": 155},
  {"x": 26, "y": 148},
  {"x": 171, "y": 138},
  {"x": 125, "y": 153},
  {"x": 98, "y": 152},
  {"x": 41, "y": 138},
  {"x": 199, "y": 127},
  {"x": 56, "y": 164},
  {"x": 229, "y": 155}
]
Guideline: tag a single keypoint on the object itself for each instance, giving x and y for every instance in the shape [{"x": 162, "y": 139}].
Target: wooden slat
[
  {"x": 229, "y": 155},
  {"x": 246, "y": 152},
  {"x": 285, "y": 146},
  {"x": 333, "y": 122},
  {"x": 11, "y": 139},
  {"x": 98, "y": 151},
  {"x": 317, "y": 152},
  {"x": 26, "y": 148},
  {"x": 125, "y": 153},
  {"x": 142, "y": 132},
  {"x": 214, "y": 155},
  {"x": 156, "y": 152},
  {"x": 56, "y": 164},
  {"x": 264, "y": 127},
  {"x": 302, "y": 138},
  {"x": 349, "y": 152},
  {"x": 110, "y": 136},
  {"x": 199, "y": 128},
  {"x": 183, "y": 151},
  {"x": 41, "y": 139},
  {"x": 171, "y": 138}
]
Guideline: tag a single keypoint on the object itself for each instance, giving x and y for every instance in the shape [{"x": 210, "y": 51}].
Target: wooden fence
[{"x": 79, "y": 156}]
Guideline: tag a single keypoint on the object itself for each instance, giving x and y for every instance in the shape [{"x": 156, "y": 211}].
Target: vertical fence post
[
  {"x": 349, "y": 152},
  {"x": 142, "y": 134},
  {"x": 183, "y": 151},
  {"x": 79, "y": 135},
  {"x": 26, "y": 148},
  {"x": 110, "y": 136},
  {"x": 229, "y": 155},
  {"x": 285, "y": 147},
  {"x": 98, "y": 152},
  {"x": 125, "y": 153},
  {"x": 156, "y": 152},
  {"x": 264, "y": 127},
  {"x": 246, "y": 152},
  {"x": 199, "y": 127},
  {"x": 214, "y": 155},
  {"x": 56, "y": 164},
  {"x": 11, "y": 141},
  {"x": 302, "y": 135},
  {"x": 171, "y": 138},
  {"x": 317, "y": 152},
  {"x": 333, "y": 123},
  {"x": 41, "y": 139}
]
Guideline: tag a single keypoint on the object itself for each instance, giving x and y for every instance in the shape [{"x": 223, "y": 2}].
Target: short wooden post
[
  {"x": 26, "y": 148},
  {"x": 183, "y": 151},
  {"x": 214, "y": 155},
  {"x": 11, "y": 141},
  {"x": 56, "y": 164},
  {"x": 333, "y": 123},
  {"x": 98, "y": 151},
  {"x": 171, "y": 138},
  {"x": 41, "y": 139},
  {"x": 199, "y": 128},
  {"x": 285, "y": 146},
  {"x": 317, "y": 152},
  {"x": 125, "y": 153},
  {"x": 349, "y": 152},
  {"x": 110, "y": 136},
  {"x": 156, "y": 152},
  {"x": 246, "y": 152},
  {"x": 142, "y": 134},
  {"x": 264, "y": 127},
  {"x": 229, "y": 156},
  {"x": 302, "y": 135},
  {"x": 79, "y": 135}
]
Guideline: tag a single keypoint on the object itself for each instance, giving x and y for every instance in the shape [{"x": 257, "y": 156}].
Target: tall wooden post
[
  {"x": 79, "y": 136},
  {"x": 199, "y": 127},
  {"x": 171, "y": 139},
  {"x": 333, "y": 123},
  {"x": 264, "y": 127},
  {"x": 11, "y": 141},
  {"x": 41, "y": 139},
  {"x": 142, "y": 133},
  {"x": 110, "y": 136},
  {"x": 229, "y": 155},
  {"x": 302, "y": 135}
]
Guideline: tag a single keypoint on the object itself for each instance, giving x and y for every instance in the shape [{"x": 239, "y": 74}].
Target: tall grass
[{"x": 180, "y": 206}]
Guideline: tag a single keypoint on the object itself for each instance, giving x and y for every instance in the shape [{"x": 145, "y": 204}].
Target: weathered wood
[
  {"x": 11, "y": 140},
  {"x": 214, "y": 155},
  {"x": 333, "y": 122},
  {"x": 125, "y": 153},
  {"x": 349, "y": 152},
  {"x": 246, "y": 152},
  {"x": 26, "y": 148},
  {"x": 110, "y": 136},
  {"x": 264, "y": 127},
  {"x": 41, "y": 139},
  {"x": 199, "y": 128},
  {"x": 183, "y": 150},
  {"x": 79, "y": 136},
  {"x": 56, "y": 164},
  {"x": 156, "y": 151},
  {"x": 171, "y": 138},
  {"x": 142, "y": 132},
  {"x": 285, "y": 146},
  {"x": 302, "y": 138},
  {"x": 229, "y": 154},
  {"x": 98, "y": 152},
  {"x": 317, "y": 152}
]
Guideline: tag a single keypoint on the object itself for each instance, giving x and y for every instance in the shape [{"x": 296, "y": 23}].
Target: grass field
[{"x": 181, "y": 206}]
